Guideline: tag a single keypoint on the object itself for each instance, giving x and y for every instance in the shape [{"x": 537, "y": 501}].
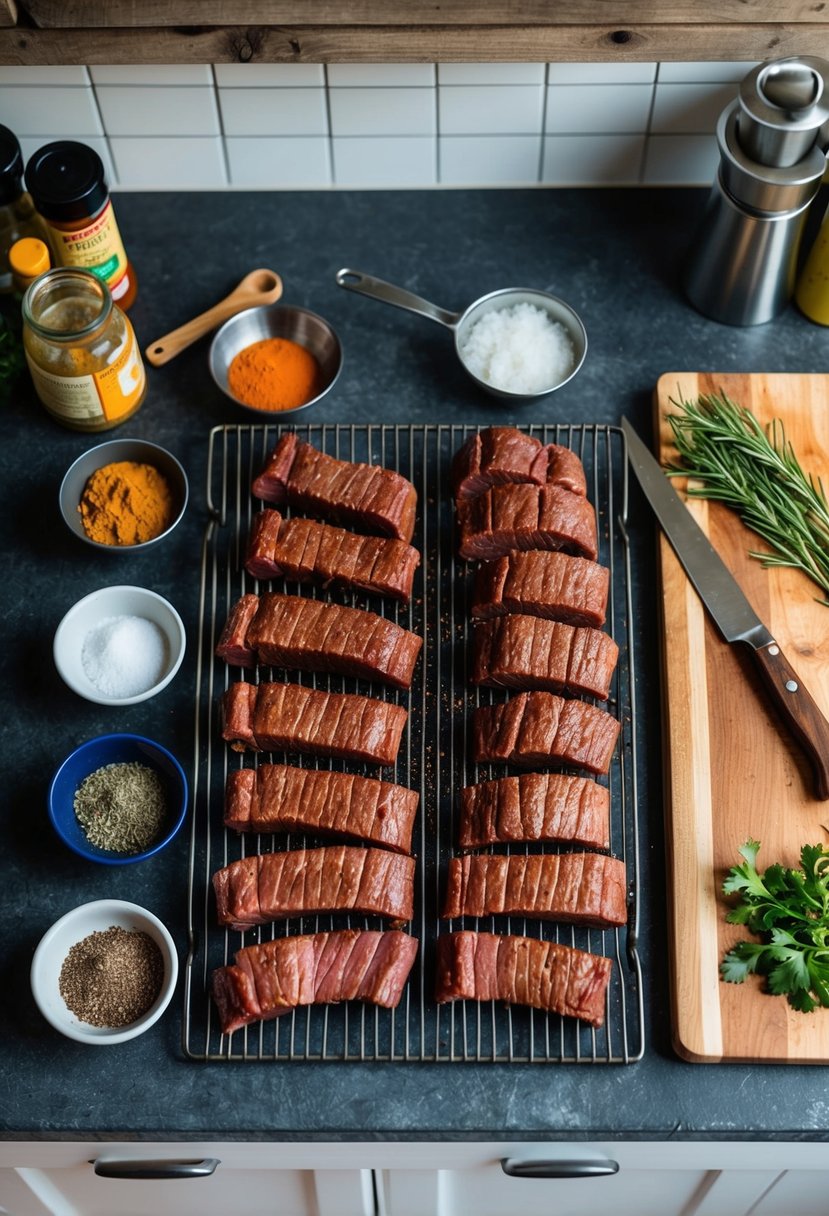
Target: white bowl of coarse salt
[{"x": 119, "y": 645}]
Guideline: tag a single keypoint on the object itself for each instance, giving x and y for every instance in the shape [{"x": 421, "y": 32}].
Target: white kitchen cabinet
[
  {"x": 196, "y": 1180},
  {"x": 428, "y": 1178},
  {"x": 641, "y": 1179}
]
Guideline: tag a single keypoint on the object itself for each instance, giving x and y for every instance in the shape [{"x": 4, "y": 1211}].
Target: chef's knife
[{"x": 732, "y": 613}]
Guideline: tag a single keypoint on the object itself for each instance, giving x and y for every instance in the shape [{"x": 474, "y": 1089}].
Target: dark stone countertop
[{"x": 614, "y": 255}]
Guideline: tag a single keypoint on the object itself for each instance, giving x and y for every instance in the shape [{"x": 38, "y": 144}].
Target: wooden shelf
[{"x": 418, "y": 31}]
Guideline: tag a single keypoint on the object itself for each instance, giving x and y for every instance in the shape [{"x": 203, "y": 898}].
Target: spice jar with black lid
[
  {"x": 18, "y": 217},
  {"x": 67, "y": 183},
  {"x": 81, "y": 350}
]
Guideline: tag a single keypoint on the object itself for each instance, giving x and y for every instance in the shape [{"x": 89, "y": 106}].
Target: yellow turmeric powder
[
  {"x": 274, "y": 374},
  {"x": 126, "y": 503}
]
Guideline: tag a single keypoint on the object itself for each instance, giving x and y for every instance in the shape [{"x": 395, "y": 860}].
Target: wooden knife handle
[{"x": 803, "y": 716}]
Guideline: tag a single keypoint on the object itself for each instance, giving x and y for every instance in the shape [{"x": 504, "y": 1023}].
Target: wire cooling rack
[{"x": 434, "y": 758}]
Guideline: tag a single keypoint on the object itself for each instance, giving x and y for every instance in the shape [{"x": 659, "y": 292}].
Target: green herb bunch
[
  {"x": 755, "y": 472},
  {"x": 789, "y": 909}
]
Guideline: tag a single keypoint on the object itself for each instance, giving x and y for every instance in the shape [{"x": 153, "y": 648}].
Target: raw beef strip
[
  {"x": 310, "y": 552},
  {"x": 540, "y": 728},
  {"x": 367, "y": 495},
  {"x": 233, "y": 645},
  {"x": 309, "y": 882},
  {"x": 502, "y": 454},
  {"x": 312, "y": 635},
  {"x": 535, "y": 806},
  {"x": 280, "y": 798},
  {"x": 277, "y": 976},
  {"x": 530, "y": 652},
  {"x": 527, "y": 517},
  {"x": 544, "y": 583},
  {"x": 292, "y": 718},
  {"x": 576, "y": 888},
  {"x": 522, "y": 971}
]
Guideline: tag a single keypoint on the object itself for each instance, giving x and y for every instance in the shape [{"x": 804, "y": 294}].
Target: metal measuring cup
[{"x": 461, "y": 322}]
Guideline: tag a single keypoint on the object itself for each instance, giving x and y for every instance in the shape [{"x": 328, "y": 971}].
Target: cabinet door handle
[
  {"x": 516, "y": 1168},
  {"x": 156, "y": 1169}
]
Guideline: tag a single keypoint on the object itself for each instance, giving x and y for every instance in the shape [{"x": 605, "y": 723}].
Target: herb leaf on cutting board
[
  {"x": 789, "y": 909},
  {"x": 755, "y": 471}
]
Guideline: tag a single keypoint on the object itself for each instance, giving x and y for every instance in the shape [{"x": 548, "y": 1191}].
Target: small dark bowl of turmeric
[
  {"x": 276, "y": 359},
  {"x": 124, "y": 495}
]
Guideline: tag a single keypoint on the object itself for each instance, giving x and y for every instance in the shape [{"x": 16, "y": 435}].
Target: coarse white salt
[
  {"x": 123, "y": 656},
  {"x": 519, "y": 349}
]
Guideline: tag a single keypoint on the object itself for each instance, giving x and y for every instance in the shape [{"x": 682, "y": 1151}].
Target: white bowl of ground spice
[
  {"x": 105, "y": 972},
  {"x": 124, "y": 495},
  {"x": 118, "y": 799}
]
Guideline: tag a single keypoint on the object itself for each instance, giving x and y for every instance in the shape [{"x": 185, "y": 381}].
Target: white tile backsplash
[
  {"x": 386, "y": 162},
  {"x": 382, "y": 111},
  {"x": 315, "y": 126},
  {"x": 375, "y": 75},
  {"x": 689, "y": 109},
  {"x": 267, "y": 75},
  {"x": 476, "y": 160},
  {"x": 153, "y": 73},
  {"x": 46, "y": 109},
  {"x": 490, "y": 73},
  {"x": 143, "y": 110},
  {"x": 504, "y": 109},
  {"x": 601, "y": 73},
  {"x": 169, "y": 164},
  {"x": 279, "y": 111},
  {"x": 282, "y": 163},
  {"x": 597, "y": 109},
  {"x": 592, "y": 160}
]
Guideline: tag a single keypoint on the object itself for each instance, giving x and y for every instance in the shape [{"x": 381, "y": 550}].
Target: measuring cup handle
[{"x": 377, "y": 289}]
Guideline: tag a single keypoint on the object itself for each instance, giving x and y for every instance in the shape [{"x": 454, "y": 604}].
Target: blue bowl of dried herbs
[{"x": 118, "y": 799}]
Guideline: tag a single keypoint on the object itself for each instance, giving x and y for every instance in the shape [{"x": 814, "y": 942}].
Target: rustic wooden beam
[
  {"x": 158, "y": 14},
  {"x": 411, "y": 44}
]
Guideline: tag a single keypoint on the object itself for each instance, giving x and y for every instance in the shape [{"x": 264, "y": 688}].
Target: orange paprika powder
[{"x": 274, "y": 374}]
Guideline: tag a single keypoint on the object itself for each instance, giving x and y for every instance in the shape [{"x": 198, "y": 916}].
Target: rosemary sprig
[{"x": 754, "y": 470}]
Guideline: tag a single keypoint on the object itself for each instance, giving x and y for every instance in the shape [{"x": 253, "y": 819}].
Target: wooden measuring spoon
[{"x": 258, "y": 287}]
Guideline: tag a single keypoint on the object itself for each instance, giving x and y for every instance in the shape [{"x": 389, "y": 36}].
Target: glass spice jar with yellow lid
[{"x": 81, "y": 351}]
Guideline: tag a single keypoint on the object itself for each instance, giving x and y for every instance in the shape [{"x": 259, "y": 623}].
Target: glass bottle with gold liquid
[{"x": 81, "y": 351}]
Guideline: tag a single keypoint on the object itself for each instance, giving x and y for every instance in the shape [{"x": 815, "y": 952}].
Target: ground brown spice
[{"x": 111, "y": 977}]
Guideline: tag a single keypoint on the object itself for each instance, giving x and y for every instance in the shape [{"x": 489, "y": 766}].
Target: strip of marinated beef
[
  {"x": 522, "y": 971},
  {"x": 309, "y": 882},
  {"x": 281, "y": 798},
  {"x": 501, "y": 454},
  {"x": 535, "y": 806},
  {"x": 535, "y": 728},
  {"x": 527, "y": 517},
  {"x": 274, "y": 977},
  {"x": 291, "y": 718},
  {"x": 369, "y": 496},
  {"x": 531, "y": 652},
  {"x": 542, "y": 583},
  {"x": 311, "y": 635},
  {"x": 307, "y": 551},
  {"x": 576, "y": 888}
]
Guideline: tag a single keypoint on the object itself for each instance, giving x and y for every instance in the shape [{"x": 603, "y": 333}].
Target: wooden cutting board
[{"x": 732, "y": 770}]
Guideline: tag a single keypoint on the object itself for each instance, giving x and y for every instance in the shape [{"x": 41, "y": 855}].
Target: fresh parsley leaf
[{"x": 789, "y": 910}]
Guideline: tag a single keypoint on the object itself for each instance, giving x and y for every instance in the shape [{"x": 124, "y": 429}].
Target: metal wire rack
[{"x": 434, "y": 759}]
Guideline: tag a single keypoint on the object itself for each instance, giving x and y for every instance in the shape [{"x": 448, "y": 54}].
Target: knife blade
[{"x": 731, "y": 612}]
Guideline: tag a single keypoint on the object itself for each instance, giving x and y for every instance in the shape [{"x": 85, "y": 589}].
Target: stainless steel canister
[{"x": 741, "y": 269}]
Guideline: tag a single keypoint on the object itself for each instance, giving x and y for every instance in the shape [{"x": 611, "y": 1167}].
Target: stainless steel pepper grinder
[{"x": 742, "y": 264}]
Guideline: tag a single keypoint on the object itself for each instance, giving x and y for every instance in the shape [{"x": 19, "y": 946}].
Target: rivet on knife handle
[{"x": 803, "y": 716}]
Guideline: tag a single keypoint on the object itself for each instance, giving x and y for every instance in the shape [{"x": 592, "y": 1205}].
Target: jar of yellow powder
[{"x": 81, "y": 351}]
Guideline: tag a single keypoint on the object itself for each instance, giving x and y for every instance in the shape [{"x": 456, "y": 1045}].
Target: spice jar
[
  {"x": 81, "y": 351},
  {"x": 28, "y": 258},
  {"x": 69, "y": 189},
  {"x": 17, "y": 211}
]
